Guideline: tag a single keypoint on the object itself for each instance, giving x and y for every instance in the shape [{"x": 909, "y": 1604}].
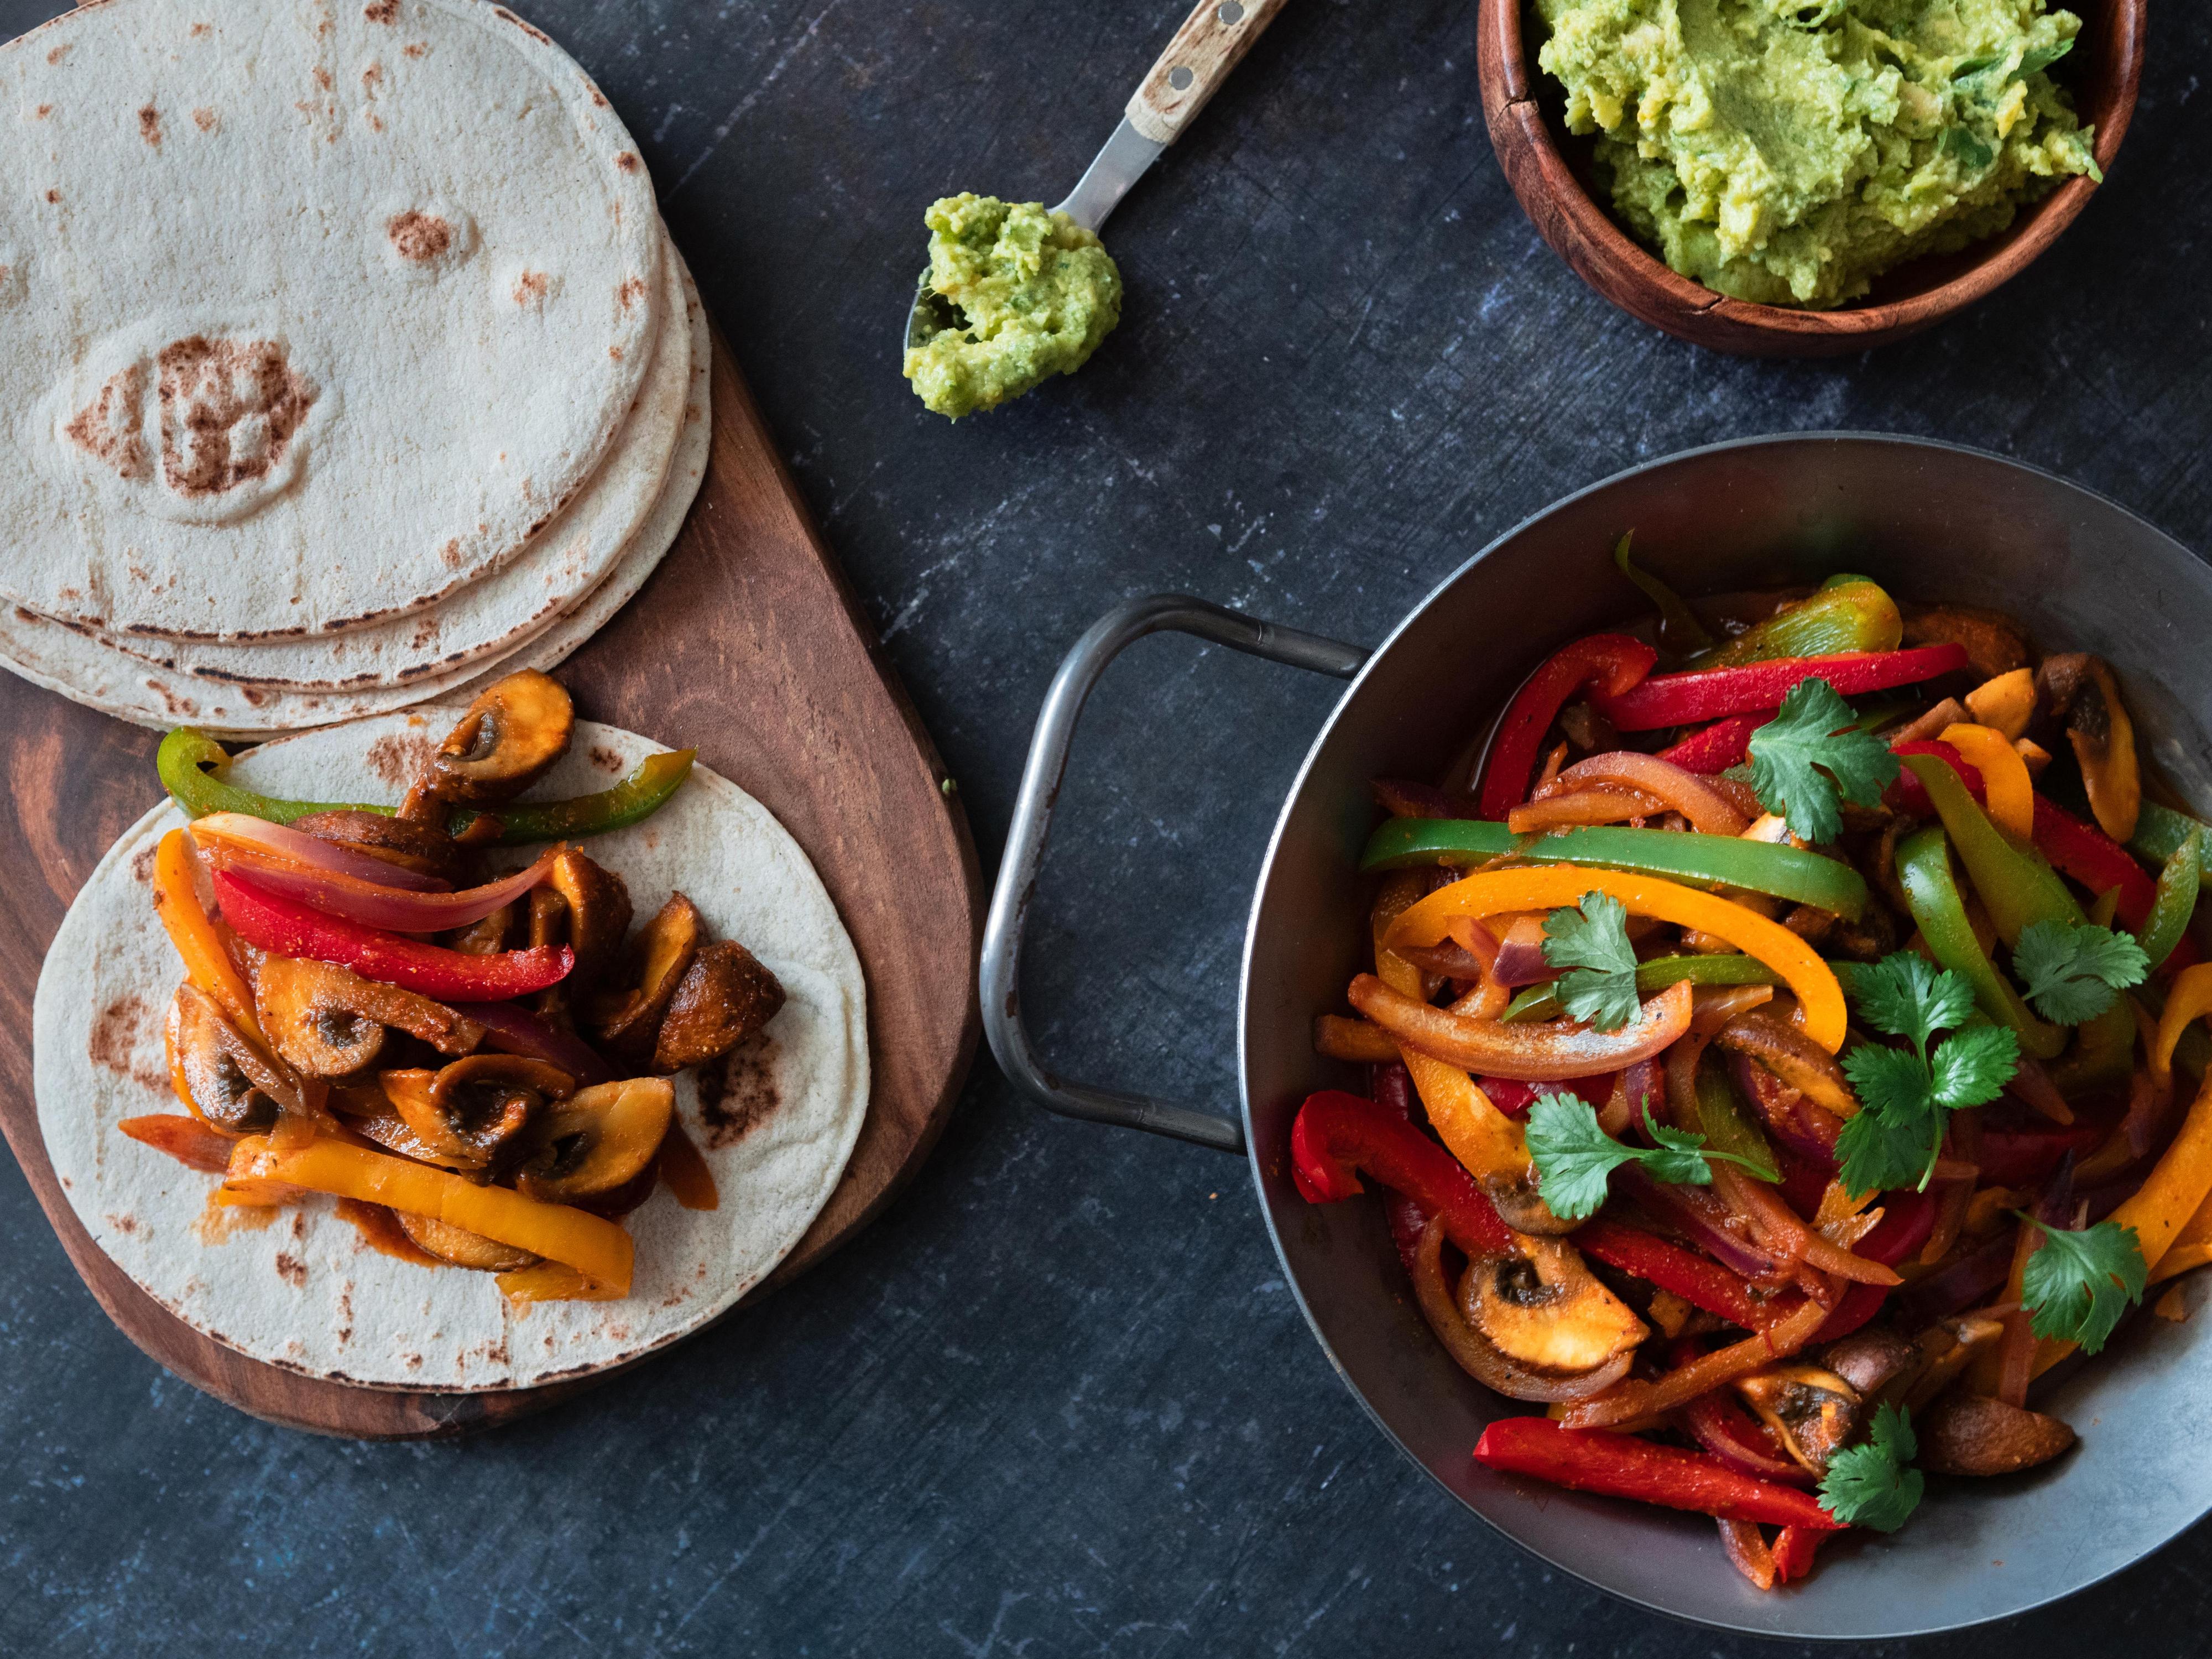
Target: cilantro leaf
[
  {"x": 1594, "y": 943},
  {"x": 1906, "y": 1096},
  {"x": 2074, "y": 970},
  {"x": 1810, "y": 755},
  {"x": 2078, "y": 1284},
  {"x": 1872, "y": 1485},
  {"x": 1908, "y": 996},
  {"x": 1574, "y": 1155}
]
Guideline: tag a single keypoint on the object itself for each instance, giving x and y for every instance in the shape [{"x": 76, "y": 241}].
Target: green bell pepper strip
[
  {"x": 2159, "y": 831},
  {"x": 1923, "y": 870},
  {"x": 1730, "y": 968},
  {"x": 2018, "y": 889},
  {"x": 191, "y": 765},
  {"x": 1681, "y": 623},
  {"x": 1849, "y": 613},
  {"x": 2178, "y": 886},
  {"x": 1697, "y": 860},
  {"x": 1729, "y": 1129}
]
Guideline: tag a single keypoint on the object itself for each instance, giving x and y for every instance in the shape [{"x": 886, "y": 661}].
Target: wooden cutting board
[{"x": 747, "y": 643}]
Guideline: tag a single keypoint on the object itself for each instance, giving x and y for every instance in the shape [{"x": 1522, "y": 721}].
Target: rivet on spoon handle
[{"x": 1198, "y": 60}]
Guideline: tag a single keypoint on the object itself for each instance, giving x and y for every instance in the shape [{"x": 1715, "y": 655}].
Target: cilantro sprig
[
  {"x": 2074, "y": 970},
  {"x": 1574, "y": 1156},
  {"x": 1874, "y": 1484},
  {"x": 2078, "y": 1284},
  {"x": 1811, "y": 756},
  {"x": 1593, "y": 942},
  {"x": 1907, "y": 1096}
]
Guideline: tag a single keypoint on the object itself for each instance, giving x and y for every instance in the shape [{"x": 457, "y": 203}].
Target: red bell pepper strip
[
  {"x": 1700, "y": 1283},
  {"x": 292, "y": 929},
  {"x": 1514, "y": 1097},
  {"x": 1792, "y": 1550},
  {"x": 1338, "y": 1137},
  {"x": 2022, "y": 1158},
  {"x": 1623, "y": 1465},
  {"x": 2095, "y": 859},
  {"x": 1719, "y": 746},
  {"x": 1712, "y": 694},
  {"x": 1608, "y": 664},
  {"x": 1908, "y": 794},
  {"x": 1907, "y": 1219}
]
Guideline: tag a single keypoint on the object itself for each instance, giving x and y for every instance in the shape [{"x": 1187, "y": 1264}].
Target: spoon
[{"x": 1210, "y": 44}]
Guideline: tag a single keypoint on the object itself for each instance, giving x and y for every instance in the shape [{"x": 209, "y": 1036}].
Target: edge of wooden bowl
[{"x": 1581, "y": 231}]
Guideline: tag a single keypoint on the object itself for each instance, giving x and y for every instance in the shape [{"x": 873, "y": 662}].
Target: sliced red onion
[
  {"x": 1521, "y": 955},
  {"x": 224, "y": 832},
  {"x": 1701, "y": 1223},
  {"x": 1795, "y": 1121},
  {"x": 516, "y": 1030},
  {"x": 1966, "y": 1283},
  {"x": 376, "y": 904}
]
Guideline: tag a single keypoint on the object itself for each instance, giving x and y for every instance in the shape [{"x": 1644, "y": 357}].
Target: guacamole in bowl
[{"x": 1789, "y": 153}]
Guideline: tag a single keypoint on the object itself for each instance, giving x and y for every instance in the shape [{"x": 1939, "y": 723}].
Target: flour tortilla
[
  {"x": 302, "y": 1293},
  {"x": 562, "y": 562},
  {"x": 402, "y": 254},
  {"x": 87, "y": 669}
]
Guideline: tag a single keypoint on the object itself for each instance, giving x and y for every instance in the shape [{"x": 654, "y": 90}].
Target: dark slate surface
[{"x": 1059, "y": 1400}]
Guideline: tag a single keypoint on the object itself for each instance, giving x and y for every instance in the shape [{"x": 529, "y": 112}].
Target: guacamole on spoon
[
  {"x": 1790, "y": 151},
  {"x": 1035, "y": 294}
]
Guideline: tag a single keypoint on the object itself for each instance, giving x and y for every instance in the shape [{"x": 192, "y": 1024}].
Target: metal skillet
[{"x": 1931, "y": 521}]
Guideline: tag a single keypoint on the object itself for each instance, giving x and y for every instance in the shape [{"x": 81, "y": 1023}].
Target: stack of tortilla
[{"x": 348, "y": 362}]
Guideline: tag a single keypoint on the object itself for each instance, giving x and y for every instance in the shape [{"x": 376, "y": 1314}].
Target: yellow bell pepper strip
[
  {"x": 2189, "y": 998},
  {"x": 1848, "y": 614},
  {"x": 2165, "y": 1204},
  {"x": 1923, "y": 870},
  {"x": 553, "y": 1281},
  {"x": 2006, "y": 703},
  {"x": 261, "y": 1173},
  {"x": 191, "y": 765},
  {"x": 1527, "y": 1054},
  {"x": 1757, "y": 866},
  {"x": 2009, "y": 792},
  {"x": 1542, "y": 1001},
  {"x": 192, "y": 931},
  {"x": 1492, "y": 892},
  {"x": 2166, "y": 927}
]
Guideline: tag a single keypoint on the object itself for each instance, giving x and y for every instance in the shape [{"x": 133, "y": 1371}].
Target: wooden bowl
[{"x": 1550, "y": 173}]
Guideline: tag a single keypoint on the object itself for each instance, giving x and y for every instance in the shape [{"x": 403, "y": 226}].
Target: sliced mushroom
[
  {"x": 548, "y": 925},
  {"x": 1871, "y": 1358},
  {"x": 407, "y": 843},
  {"x": 475, "y": 1111},
  {"x": 1811, "y": 1410},
  {"x": 1521, "y": 1206},
  {"x": 2004, "y": 703},
  {"x": 1994, "y": 642},
  {"x": 724, "y": 997},
  {"x": 461, "y": 1246},
  {"x": 598, "y": 911},
  {"x": 2103, "y": 740},
  {"x": 1945, "y": 1348},
  {"x": 1973, "y": 1434},
  {"x": 215, "y": 1068},
  {"x": 1545, "y": 1309},
  {"x": 328, "y": 1021},
  {"x": 597, "y": 1139},
  {"x": 488, "y": 936},
  {"x": 627, "y": 1022},
  {"x": 512, "y": 732}
]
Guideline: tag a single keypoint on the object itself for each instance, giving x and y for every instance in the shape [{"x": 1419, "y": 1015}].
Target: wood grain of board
[{"x": 747, "y": 643}]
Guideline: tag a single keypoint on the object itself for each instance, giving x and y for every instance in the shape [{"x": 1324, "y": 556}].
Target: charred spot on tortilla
[
  {"x": 381, "y": 11},
  {"x": 150, "y": 125},
  {"x": 107, "y": 428},
  {"x": 229, "y": 410},
  {"x": 417, "y": 235},
  {"x": 737, "y": 1093}
]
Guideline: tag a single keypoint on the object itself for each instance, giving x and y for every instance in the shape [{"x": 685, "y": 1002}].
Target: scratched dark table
[{"x": 1059, "y": 1399}]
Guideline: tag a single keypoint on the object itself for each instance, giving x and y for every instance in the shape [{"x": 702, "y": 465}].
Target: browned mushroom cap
[
  {"x": 327, "y": 1020},
  {"x": 489, "y": 935},
  {"x": 514, "y": 731},
  {"x": 548, "y": 925},
  {"x": 626, "y": 1022},
  {"x": 1993, "y": 640},
  {"x": 2103, "y": 740},
  {"x": 1973, "y": 1434},
  {"x": 461, "y": 1246},
  {"x": 597, "y": 1139},
  {"x": 405, "y": 843},
  {"x": 1812, "y": 1411},
  {"x": 222, "y": 1076},
  {"x": 724, "y": 997},
  {"x": 475, "y": 1110},
  {"x": 1869, "y": 1358},
  {"x": 1546, "y": 1309},
  {"x": 598, "y": 911}
]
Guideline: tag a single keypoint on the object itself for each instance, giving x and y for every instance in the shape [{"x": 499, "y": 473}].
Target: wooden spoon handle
[{"x": 1197, "y": 61}]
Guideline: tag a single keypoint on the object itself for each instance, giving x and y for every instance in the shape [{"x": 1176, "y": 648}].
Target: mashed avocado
[
  {"x": 1787, "y": 151},
  {"x": 1035, "y": 294}
]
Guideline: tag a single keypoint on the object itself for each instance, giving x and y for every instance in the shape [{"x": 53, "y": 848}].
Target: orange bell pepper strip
[
  {"x": 2168, "y": 1203},
  {"x": 2189, "y": 999},
  {"x": 2009, "y": 792},
  {"x": 192, "y": 931},
  {"x": 553, "y": 1281},
  {"x": 1489, "y": 892},
  {"x": 597, "y": 1248}
]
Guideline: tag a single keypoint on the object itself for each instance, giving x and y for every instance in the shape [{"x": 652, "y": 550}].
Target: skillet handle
[{"x": 1001, "y": 973}]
